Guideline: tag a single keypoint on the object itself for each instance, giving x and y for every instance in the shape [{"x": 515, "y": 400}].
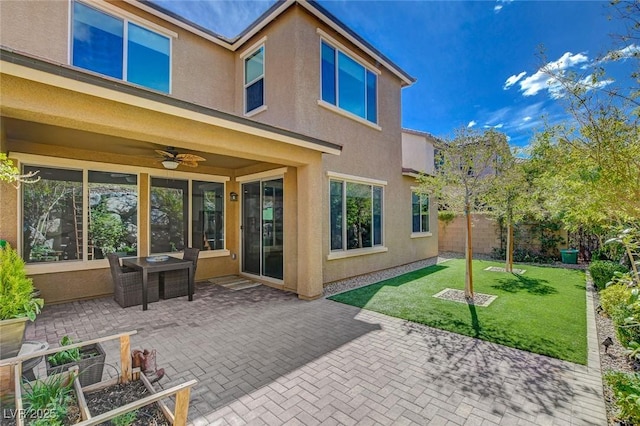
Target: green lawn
[{"x": 541, "y": 311}]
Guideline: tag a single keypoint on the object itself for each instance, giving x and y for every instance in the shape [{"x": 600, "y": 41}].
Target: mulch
[
  {"x": 612, "y": 359},
  {"x": 122, "y": 394}
]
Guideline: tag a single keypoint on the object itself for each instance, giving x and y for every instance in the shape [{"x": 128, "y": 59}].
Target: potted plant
[
  {"x": 17, "y": 305},
  {"x": 89, "y": 359}
]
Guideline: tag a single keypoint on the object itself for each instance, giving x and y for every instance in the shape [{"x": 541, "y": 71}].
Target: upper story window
[
  {"x": 254, "y": 80},
  {"x": 348, "y": 84},
  {"x": 118, "y": 48}
]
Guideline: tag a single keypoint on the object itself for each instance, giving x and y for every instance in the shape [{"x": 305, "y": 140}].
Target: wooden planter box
[
  {"x": 91, "y": 368},
  {"x": 181, "y": 392}
]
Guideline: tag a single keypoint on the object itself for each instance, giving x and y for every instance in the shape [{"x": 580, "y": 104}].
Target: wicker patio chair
[
  {"x": 127, "y": 284},
  {"x": 176, "y": 283}
]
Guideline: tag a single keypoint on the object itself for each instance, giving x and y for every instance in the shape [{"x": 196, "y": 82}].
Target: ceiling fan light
[{"x": 170, "y": 164}]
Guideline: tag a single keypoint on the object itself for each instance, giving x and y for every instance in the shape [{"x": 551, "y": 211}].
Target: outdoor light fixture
[
  {"x": 170, "y": 164},
  {"x": 233, "y": 196}
]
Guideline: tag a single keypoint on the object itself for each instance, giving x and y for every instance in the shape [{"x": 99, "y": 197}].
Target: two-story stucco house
[{"x": 306, "y": 179}]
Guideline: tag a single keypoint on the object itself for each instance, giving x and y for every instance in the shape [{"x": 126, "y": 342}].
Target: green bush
[
  {"x": 614, "y": 298},
  {"x": 626, "y": 388},
  {"x": 603, "y": 270},
  {"x": 16, "y": 288}
]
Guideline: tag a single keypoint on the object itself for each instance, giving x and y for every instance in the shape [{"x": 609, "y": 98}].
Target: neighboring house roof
[
  {"x": 426, "y": 135},
  {"x": 267, "y": 17},
  {"x": 244, "y": 124}
]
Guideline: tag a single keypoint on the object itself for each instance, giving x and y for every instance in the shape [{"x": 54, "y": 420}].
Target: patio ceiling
[{"x": 18, "y": 131}]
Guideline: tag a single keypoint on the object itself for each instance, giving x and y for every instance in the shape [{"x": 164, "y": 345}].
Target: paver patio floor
[{"x": 263, "y": 356}]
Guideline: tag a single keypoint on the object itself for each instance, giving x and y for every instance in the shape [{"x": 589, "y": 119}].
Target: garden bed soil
[
  {"x": 612, "y": 359},
  {"x": 116, "y": 396}
]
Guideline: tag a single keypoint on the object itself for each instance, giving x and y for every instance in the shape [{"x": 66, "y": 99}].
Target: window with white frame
[
  {"x": 254, "y": 80},
  {"x": 169, "y": 215},
  {"x": 348, "y": 84},
  {"x": 118, "y": 48},
  {"x": 56, "y": 216},
  {"x": 355, "y": 215},
  {"x": 420, "y": 212}
]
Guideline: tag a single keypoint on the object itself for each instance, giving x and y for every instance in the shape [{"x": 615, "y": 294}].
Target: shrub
[
  {"x": 16, "y": 288},
  {"x": 446, "y": 216},
  {"x": 614, "y": 298},
  {"x": 626, "y": 388},
  {"x": 602, "y": 271}
]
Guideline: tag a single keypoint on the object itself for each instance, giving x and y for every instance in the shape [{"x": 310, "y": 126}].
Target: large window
[
  {"x": 113, "y": 214},
  {"x": 420, "y": 212},
  {"x": 118, "y": 48},
  {"x": 53, "y": 215},
  {"x": 254, "y": 80},
  {"x": 169, "y": 215},
  {"x": 356, "y": 215},
  {"x": 347, "y": 84},
  {"x": 56, "y": 216},
  {"x": 207, "y": 215}
]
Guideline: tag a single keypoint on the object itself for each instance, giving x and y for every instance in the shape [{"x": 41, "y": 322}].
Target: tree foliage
[
  {"x": 589, "y": 166},
  {"x": 467, "y": 169},
  {"x": 10, "y": 173}
]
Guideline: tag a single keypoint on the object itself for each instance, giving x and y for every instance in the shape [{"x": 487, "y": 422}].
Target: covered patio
[{"x": 262, "y": 356}]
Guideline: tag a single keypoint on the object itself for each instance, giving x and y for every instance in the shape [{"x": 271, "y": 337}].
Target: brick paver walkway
[{"x": 264, "y": 357}]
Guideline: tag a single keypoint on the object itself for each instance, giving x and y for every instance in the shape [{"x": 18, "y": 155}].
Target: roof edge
[
  {"x": 267, "y": 17},
  {"x": 20, "y": 58}
]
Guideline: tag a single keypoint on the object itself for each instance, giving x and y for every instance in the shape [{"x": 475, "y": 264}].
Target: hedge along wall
[{"x": 486, "y": 235}]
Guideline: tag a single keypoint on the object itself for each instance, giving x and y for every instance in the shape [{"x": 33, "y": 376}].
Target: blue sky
[{"x": 476, "y": 62}]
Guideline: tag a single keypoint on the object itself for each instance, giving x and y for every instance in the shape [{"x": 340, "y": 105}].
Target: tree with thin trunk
[
  {"x": 511, "y": 200},
  {"x": 467, "y": 168}
]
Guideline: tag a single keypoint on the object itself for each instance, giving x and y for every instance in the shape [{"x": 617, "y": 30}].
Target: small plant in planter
[
  {"x": 16, "y": 301},
  {"x": 53, "y": 396},
  {"x": 89, "y": 359}
]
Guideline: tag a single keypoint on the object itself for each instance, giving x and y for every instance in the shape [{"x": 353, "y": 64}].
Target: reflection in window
[
  {"x": 420, "y": 212},
  {"x": 348, "y": 84},
  {"x": 356, "y": 217},
  {"x": 99, "y": 45},
  {"x": 254, "y": 80},
  {"x": 169, "y": 204},
  {"x": 113, "y": 214},
  {"x": 207, "y": 215},
  {"x": 52, "y": 212}
]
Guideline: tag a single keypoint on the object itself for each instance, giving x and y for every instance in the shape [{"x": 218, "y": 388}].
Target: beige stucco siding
[{"x": 201, "y": 71}]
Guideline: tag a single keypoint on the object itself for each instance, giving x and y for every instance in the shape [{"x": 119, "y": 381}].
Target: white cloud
[
  {"x": 497, "y": 126},
  {"x": 513, "y": 80},
  {"x": 544, "y": 80},
  {"x": 500, "y": 4},
  {"x": 627, "y": 52},
  {"x": 527, "y": 118},
  {"x": 471, "y": 124}
]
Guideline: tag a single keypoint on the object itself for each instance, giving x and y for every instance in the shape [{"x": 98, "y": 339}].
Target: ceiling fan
[{"x": 171, "y": 159}]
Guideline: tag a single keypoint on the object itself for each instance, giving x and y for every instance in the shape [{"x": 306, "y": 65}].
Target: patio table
[{"x": 146, "y": 266}]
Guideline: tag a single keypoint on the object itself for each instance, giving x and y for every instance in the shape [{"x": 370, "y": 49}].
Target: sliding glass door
[{"x": 263, "y": 228}]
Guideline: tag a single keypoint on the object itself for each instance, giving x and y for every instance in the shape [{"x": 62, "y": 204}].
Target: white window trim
[
  {"x": 345, "y": 113},
  {"x": 268, "y": 174},
  {"x": 326, "y": 38},
  {"x": 420, "y": 234},
  {"x": 337, "y": 45},
  {"x": 356, "y": 179},
  {"x": 126, "y": 17},
  {"x": 344, "y": 252},
  {"x": 253, "y": 49}
]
